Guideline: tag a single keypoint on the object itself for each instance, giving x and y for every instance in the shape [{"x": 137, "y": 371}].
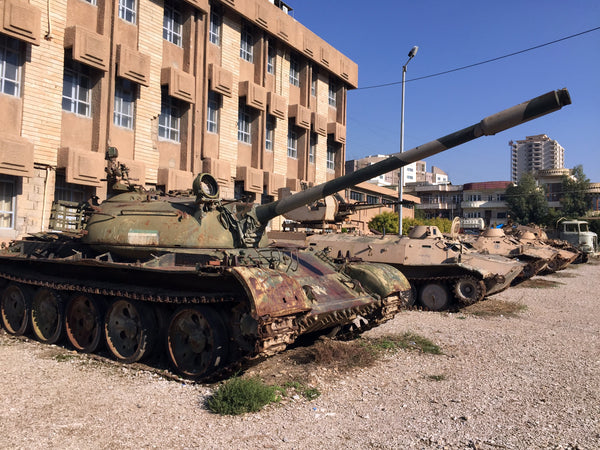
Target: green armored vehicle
[{"x": 193, "y": 278}]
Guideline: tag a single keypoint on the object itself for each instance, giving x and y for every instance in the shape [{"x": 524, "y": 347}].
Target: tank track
[
  {"x": 269, "y": 342},
  {"x": 273, "y": 335}
]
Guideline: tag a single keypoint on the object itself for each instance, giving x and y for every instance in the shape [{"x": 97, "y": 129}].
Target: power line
[{"x": 479, "y": 63}]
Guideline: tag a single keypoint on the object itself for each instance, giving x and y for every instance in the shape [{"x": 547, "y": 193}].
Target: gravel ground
[{"x": 526, "y": 381}]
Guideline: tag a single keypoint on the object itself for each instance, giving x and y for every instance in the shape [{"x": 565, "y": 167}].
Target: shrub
[{"x": 238, "y": 396}]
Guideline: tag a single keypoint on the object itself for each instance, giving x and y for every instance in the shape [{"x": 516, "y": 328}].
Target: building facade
[
  {"x": 485, "y": 200},
  {"x": 387, "y": 179},
  {"x": 239, "y": 89},
  {"x": 437, "y": 200},
  {"x": 535, "y": 153}
]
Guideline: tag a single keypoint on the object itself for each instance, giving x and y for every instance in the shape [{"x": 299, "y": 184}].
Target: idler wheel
[
  {"x": 469, "y": 290},
  {"x": 196, "y": 341},
  {"x": 554, "y": 265},
  {"x": 434, "y": 296},
  {"x": 129, "y": 330},
  {"x": 14, "y": 308},
  {"x": 83, "y": 322},
  {"x": 47, "y": 316}
]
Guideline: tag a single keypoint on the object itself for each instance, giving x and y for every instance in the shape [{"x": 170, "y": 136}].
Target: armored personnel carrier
[
  {"x": 442, "y": 272},
  {"x": 537, "y": 258},
  {"x": 193, "y": 278},
  {"x": 563, "y": 257}
]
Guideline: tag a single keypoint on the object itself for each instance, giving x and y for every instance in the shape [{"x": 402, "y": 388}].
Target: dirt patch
[{"x": 493, "y": 307}]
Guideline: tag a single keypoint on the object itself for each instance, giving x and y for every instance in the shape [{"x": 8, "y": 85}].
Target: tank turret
[
  {"x": 132, "y": 223},
  {"x": 195, "y": 273}
]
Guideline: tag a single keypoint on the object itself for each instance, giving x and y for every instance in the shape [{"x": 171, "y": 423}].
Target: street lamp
[{"x": 411, "y": 55}]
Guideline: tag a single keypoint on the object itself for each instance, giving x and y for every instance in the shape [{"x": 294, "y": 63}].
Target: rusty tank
[
  {"x": 443, "y": 273},
  {"x": 537, "y": 258},
  {"x": 536, "y": 235},
  {"x": 562, "y": 258},
  {"x": 193, "y": 279}
]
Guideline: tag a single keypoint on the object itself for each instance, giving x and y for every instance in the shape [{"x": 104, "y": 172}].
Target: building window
[
  {"x": 127, "y": 10},
  {"x": 7, "y": 202},
  {"x": 313, "y": 83},
  {"x": 172, "y": 26},
  {"x": 292, "y": 143},
  {"x": 271, "y": 54},
  {"x": 332, "y": 95},
  {"x": 358, "y": 196},
  {"x": 372, "y": 199},
  {"x": 71, "y": 192},
  {"x": 312, "y": 149},
  {"x": 247, "y": 45},
  {"x": 212, "y": 112},
  {"x": 125, "y": 92},
  {"x": 294, "y": 71},
  {"x": 169, "y": 121},
  {"x": 77, "y": 89},
  {"x": 330, "y": 157},
  {"x": 214, "y": 31},
  {"x": 91, "y": 2},
  {"x": 10, "y": 66},
  {"x": 269, "y": 133},
  {"x": 244, "y": 124}
]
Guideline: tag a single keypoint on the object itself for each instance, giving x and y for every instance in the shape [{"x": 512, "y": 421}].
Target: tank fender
[
  {"x": 272, "y": 293},
  {"x": 380, "y": 279}
]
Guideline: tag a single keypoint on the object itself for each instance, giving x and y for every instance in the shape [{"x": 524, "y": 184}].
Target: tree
[
  {"x": 386, "y": 222},
  {"x": 526, "y": 201},
  {"x": 574, "y": 200},
  {"x": 389, "y": 222}
]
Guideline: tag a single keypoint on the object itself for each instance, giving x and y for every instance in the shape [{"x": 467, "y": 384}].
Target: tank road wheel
[
  {"x": 47, "y": 316},
  {"x": 129, "y": 330},
  {"x": 469, "y": 290},
  {"x": 196, "y": 341},
  {"x": 83, "y": 322},
  {"x": 14, "y": 306},
  {"x": 434, "y": 296}
]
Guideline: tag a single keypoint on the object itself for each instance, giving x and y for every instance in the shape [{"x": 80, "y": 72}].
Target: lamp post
[{"x": 411, "y": 55}]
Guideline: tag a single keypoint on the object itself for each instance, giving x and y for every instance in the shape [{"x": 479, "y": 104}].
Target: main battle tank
[
  {"x": 441, "y": 272},
  {"x": 196, "y": 275}
]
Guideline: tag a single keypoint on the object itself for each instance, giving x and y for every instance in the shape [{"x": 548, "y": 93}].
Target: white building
[{"x": 535, "y": 153}]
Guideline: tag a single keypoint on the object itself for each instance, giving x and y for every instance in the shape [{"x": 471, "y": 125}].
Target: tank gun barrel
[{"x": 503, "y": 120}]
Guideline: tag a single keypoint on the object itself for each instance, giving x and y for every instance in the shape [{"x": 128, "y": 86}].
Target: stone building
[{"x": 236, "y": 88}]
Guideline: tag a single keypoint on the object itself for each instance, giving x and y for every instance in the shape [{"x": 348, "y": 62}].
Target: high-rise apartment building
[
  {"x": 535, "y": 153},
  {"x": 239, "y": 89}
]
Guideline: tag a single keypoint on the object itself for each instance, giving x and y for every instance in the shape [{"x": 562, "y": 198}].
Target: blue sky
[{"x": 451, "y": 34}]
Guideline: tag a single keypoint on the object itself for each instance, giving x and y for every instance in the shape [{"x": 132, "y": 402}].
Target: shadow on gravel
[{"x": 540, "y": 283}]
